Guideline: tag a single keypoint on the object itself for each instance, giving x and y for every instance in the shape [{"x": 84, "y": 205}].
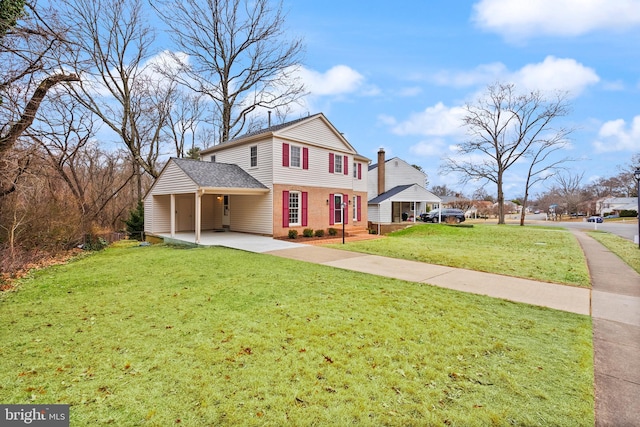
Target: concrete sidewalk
[
  {"x": 616, "y": 335},
  {"x": 559, "y": 297}
]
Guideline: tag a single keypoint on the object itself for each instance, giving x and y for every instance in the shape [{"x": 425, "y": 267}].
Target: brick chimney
[{"x": 381, "y": 171}]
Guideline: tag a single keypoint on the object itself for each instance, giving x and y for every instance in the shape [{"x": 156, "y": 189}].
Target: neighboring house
[
  {"x": 396, "y": 191},
  {"x": 613, "y": 205},
  {"x": 296, "y": 175}
]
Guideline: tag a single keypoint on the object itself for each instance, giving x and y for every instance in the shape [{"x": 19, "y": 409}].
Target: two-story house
[
  {"x": 297, "y": 175},
  {"x": 396, "y": 191}
]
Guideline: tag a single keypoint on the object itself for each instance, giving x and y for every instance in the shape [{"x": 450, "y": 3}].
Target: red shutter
[
  {"x": 345, "y": 199},
  {"x": 305, "y": 158},
  {"x": 330, "y": 162},
  {"x": 359, "y": 171},
  {"x": 345, "y": 168},
  {"x": 331, "y": 209},
  {"x": 285, "y": 155},
  {"x": 304, "y": 208},
  {"x": 359, "y": 206},
  {"x": 285, "y": 209}
]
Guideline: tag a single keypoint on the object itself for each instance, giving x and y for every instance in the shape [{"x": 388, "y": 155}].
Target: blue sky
[{"x": 396, "y": 74}]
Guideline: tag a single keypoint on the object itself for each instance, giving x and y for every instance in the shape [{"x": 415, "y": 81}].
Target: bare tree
[
  {"x": 237, "y": 56},
  {"x": 113, "y": 40},
  {"x": 505, "y": 127},
  {"x": 30, "y": 43},
  {"x": 183, "y": 122},
  {"x": 65, "y": 133},
  {"x": 542, "y": 166}
]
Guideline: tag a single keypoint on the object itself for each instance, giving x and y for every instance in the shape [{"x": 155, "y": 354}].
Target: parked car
[
  {"x": 434, "y": 215},
  {"x": 594, "y": 219}
]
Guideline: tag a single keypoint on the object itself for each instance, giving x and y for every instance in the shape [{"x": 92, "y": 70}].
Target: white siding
[
  {"x": 318, "y": 173},
  {"x": 241, "y": 156},
  {"x": 211, "y": 208},
  {"x": 373, "y": 213},
  {"x": 316, "y": 132},
  {"x": 399, "y": 172},
  {"x": 173, "y": 180},
  {"x": 251, "y": 214},
  {"x": 157, "y": 210}
]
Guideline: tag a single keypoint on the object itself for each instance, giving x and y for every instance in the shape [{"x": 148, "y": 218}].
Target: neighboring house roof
[
  {"x": 217, "y": 175},
  {"x": 375, "y": 165},
  {"x": 424, "y": 195}
]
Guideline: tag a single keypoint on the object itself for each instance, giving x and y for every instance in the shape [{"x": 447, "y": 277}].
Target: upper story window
[
  {"x": 295, "y": 156},
  {"x": 254, "y": 156},
  {"x": 337, "y": 165}
]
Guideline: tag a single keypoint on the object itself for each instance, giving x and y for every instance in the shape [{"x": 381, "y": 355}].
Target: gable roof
[
  {"x": 217, "y": 175},
  {"x": 281, "y": 130},
  {"x": 425, "y": 196}
]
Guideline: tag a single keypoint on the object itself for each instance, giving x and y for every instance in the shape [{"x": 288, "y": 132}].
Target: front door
[
  {"x": 225, "y": 212},
  {"x": 337, "y": 209}
]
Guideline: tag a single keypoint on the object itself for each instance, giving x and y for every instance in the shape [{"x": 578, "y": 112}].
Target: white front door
[{"x": 337, "y": 209}]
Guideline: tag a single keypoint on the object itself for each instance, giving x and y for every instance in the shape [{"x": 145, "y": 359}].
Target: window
[
  {"x": 254, "y": 156},
  {"x": 295, "y": 157},
  {"x": 355, "y": 170},
  {"x": 213, "y": 159},
  {"x": 294, "y": 208},
  {"x": 337, "y": 165}
]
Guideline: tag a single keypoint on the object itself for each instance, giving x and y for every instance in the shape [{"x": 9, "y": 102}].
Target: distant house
[
  {"x": 297, "y": 175},
  {"x": 613, "y": 205},
  {"x": 396, "y": 191}
]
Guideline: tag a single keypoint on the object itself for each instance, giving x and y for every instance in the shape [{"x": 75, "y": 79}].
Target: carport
[{"x": 192, "y": 196}]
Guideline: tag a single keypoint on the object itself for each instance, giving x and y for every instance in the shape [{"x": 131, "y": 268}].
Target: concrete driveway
[{"x": 234, "y": 240}]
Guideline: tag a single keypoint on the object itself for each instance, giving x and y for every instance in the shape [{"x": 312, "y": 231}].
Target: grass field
[
  {"x": 625, "y": 249},
  {"x": 165, "y": 336},
  {"x": 547, "y": 254}
]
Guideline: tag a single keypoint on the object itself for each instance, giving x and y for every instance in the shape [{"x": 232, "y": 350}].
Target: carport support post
[
  {"x": 172, "y": 215},
  {"x": 198, "y": 214}
]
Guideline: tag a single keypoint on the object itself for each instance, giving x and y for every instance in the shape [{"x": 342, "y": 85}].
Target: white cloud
[
  {"x": 615, "y": 135},
  {"x": 435, "y": 147},
  {"x": 438, "y": 120},
  {"x": 338, "y": 80},
  {"x": 552, "y": 74},
  {"x": 518, "y": 20}
]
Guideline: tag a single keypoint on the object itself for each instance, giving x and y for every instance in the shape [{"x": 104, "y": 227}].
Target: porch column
[
  {"x": 198, "y": 214},
  {"x": 172, "y": 215}
]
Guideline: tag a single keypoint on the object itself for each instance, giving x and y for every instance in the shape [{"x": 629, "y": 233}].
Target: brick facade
[{"x": 318, "y": 209}]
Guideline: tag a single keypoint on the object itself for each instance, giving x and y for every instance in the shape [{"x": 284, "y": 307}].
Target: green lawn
[
  {"x": 625, "y": 249},
  {"x": 548, "y": 254},
  {"x": 164, "y": 336}
]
